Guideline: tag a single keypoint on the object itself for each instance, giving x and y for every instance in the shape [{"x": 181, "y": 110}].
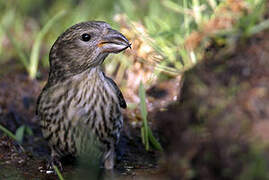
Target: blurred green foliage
[
  {"x": 168, "y": 23},
  {"x": 23, "y": 22}
]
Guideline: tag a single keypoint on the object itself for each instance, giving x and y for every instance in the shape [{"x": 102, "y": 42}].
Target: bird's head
[{"x": 83, "y": 46}]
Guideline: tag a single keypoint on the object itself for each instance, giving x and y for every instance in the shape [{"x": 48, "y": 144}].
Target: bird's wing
[{"x": 119, "y": 94}]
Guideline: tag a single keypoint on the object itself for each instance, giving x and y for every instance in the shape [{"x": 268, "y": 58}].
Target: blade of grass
[
  {"x": 59, "y": 174},
  {"x": 154, "y": 142},
  {"x": 146, "y": 133},
  {"x": 175, "y": 7},
  {"x": 20, "y": 133},
  {"x": 213, "y": 4},
  {"x": 36, "y": 47},
  {"x": 7, "y": 132},
  {"x": 11, "y": 135},
  {"x": 197, "y": 11},
  {"x": 28, "y": 131},
  {"x": 143, "y": 135},
  {"x": 259, "y": 27},
  {"x": 144, "y": 113}
]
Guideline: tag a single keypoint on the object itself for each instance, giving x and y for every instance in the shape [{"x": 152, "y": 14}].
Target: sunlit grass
[{"x": 169, "y": 23}]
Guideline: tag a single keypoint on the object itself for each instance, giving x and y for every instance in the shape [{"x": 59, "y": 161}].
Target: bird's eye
[{"x": 86, "y": 37}]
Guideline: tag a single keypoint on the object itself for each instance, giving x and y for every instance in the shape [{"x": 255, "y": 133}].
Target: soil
[{"x": 18, "y": 95}]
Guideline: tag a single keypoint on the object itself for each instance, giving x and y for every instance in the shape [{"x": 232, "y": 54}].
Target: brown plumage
[{"x": 79, "y": 107}]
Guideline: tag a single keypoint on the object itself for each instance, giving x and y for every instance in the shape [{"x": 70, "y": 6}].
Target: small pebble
[
  {"x": 7, "y": 162},
  {"x": 49, "y": 172},
  {"x": 133, "y": 123},
  {"x": 129, "y": 167},
  {"x": 42, "y": 170},
  {"x": 21, "y": 161}
]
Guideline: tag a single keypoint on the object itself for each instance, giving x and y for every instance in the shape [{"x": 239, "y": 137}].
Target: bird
[{"x": 80, "y": 108}]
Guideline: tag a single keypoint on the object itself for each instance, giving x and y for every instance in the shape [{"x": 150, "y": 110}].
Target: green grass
[
  {"x": 168, "y": 24},
  {"x": 31, "y": 28},
  {"x": 60, "y": 176},
  {"x": 146, "y": 133},
  {"x": 8, "y": 132},
  {"x": 20, "y": 132},
  {"x": 31, "y": 63},
  {"x": 34, "y": 57}
]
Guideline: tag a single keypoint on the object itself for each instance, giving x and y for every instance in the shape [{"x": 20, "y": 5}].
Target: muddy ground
[
  {"x": 18, "y": 96},
  {"x": 218, "y": 129}
]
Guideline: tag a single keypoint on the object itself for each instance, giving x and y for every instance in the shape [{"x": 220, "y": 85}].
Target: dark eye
[{"x": 86, "y": 37}]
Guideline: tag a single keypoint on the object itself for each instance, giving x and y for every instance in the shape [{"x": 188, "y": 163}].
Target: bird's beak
[{"x": 114, "y": 42}]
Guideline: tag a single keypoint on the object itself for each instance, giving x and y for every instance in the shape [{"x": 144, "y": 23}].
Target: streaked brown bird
[{"x": 80, "y": 107}]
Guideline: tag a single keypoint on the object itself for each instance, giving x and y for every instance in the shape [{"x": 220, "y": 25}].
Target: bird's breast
[
  {"x": 94, "y": 102},
  {"x": 77, "y": 108}
]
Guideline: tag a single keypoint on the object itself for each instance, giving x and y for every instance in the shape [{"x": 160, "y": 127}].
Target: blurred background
[{"x": 170, "y": 38}]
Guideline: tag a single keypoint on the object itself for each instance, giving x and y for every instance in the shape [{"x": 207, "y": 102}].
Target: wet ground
[
  {"x": 19, "y": 162},
  {"x": 28, "y": 160}
]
